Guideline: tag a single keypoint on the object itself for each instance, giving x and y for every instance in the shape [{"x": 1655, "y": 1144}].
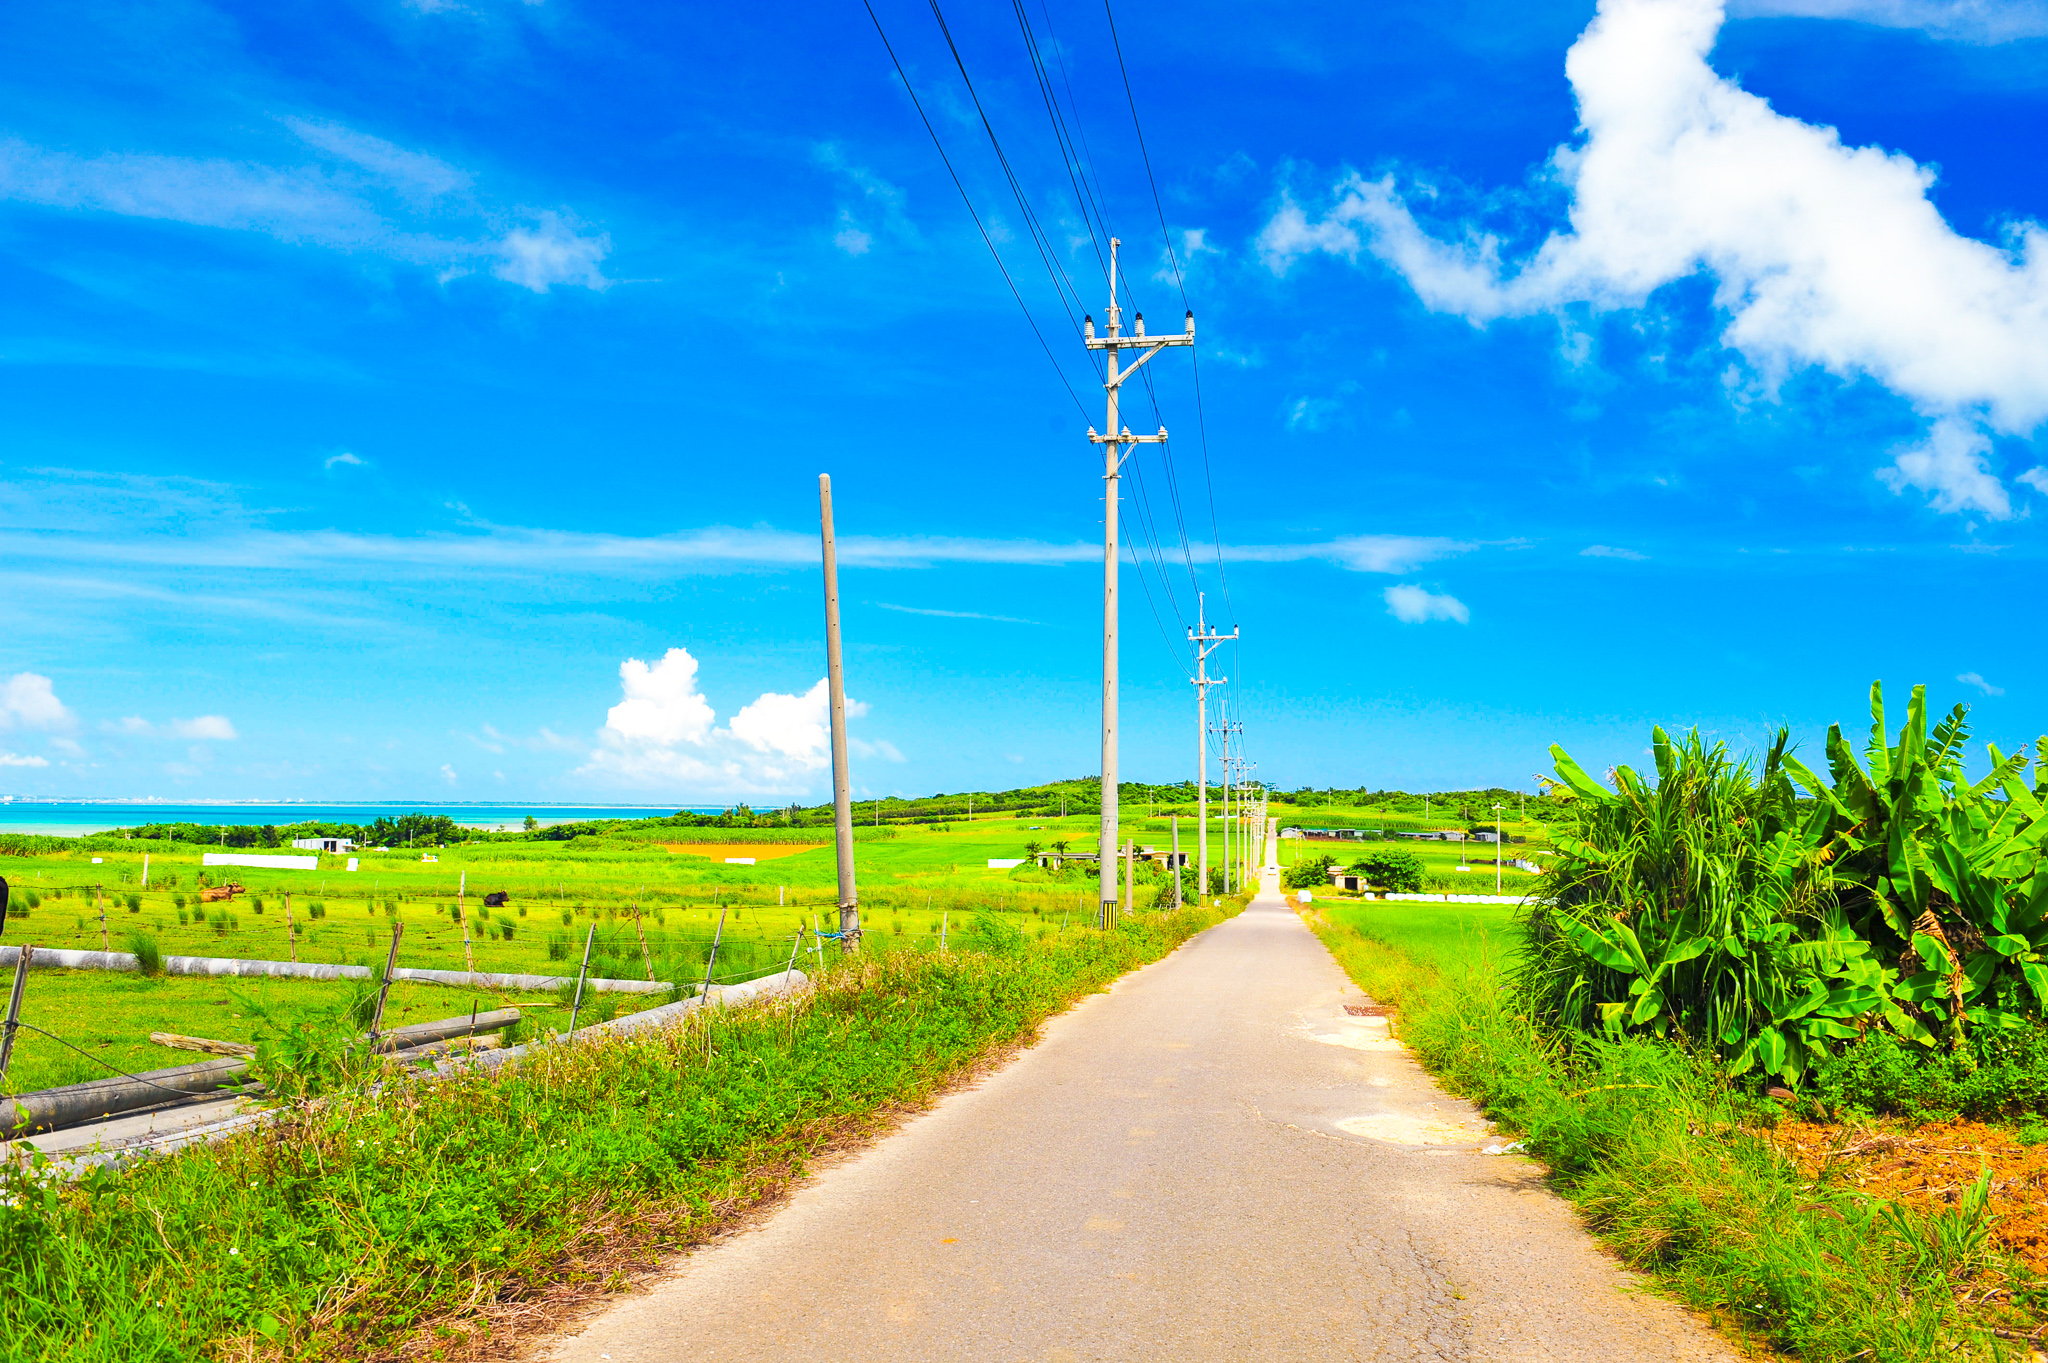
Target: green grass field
[{"x": 915, "y": 881}]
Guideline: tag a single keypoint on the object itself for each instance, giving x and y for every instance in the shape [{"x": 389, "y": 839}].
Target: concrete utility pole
[
  {"x": 1205, "y": 643},
  {"x": 1176, "y": 862},
  {"x": 1497, "y": 849},
  {"x": 1118, "y": 443},
  {"x": 1224, "y": 729},
  {"x": 835, "y": 676}
]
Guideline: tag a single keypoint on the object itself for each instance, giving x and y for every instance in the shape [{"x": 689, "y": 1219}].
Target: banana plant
[{"x": 1769, "y": 913}]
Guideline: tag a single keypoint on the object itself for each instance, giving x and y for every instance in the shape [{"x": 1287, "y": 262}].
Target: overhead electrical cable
[{"x": 986, "y": 239}]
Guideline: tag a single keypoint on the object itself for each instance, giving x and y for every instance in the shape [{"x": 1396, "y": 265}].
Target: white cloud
[
  {"x": 1972, "y": 679},
  {"x": 881, "y": 748},
  {"x": 551, "y": 253},
  {"x": 2035, "y": 478},
  {"x": 518, "y": 549},
  {"x": 353, "y": 461},
  {"x": 214, "y": 727},
  {"x": 1609, "y": 551},
  {"x": 387, "y": 160},
  {"x": 850, "y": 238},
  {"x": 1975, "y": 21},
  {"x": 1949, "y": 465},
  {"x": 663, "y": 706},
  {"x": 664, "y": 734},
  {"x": 793, "y": 726},
  {"x": 132, "y": 725},
  {"x": 9, "y": 759},
  {"x": 28, "y": 699},
  {"x": 1827, "y": 256},
  {"x": 315, "y": 205},
  {"x": 448, "y": 774},
  {"x": 1414, "y": 606},
  {"x": 953, "y": 615}
]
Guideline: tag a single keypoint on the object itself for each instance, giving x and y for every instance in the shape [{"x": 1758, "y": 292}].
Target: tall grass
[
  {"x": 1669, "y": 1165},
  {"x": 369, "y": 1225}
]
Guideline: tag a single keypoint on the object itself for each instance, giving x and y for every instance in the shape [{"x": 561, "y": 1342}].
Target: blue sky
[{"x": 426, "y": 400}]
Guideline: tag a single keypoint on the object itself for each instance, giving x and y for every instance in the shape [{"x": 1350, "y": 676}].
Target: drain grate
[{"x": 1369, "y": 1010}]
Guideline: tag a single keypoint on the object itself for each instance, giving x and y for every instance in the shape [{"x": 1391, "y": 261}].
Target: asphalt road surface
[{"x": 1212, "y": 1160}]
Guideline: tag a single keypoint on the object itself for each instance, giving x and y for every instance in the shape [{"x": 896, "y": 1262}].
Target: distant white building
[{"x": 337, "y": 846}]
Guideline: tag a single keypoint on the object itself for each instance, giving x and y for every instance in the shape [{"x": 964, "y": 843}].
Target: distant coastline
[{"x": 78, "y": 817}]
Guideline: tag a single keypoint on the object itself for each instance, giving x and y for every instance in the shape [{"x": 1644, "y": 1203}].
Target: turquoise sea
[{"x": 74, "y": 818}]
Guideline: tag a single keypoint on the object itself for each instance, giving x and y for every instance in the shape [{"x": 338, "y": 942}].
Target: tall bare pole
[
  {"x": 835, "y": 677},
  {"x": 1205, "y": 643},
  {"x": 1228, "y": 866},
  {"x": 1118, "y": 443}
]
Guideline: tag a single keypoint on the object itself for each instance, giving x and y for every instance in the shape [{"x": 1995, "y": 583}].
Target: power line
[{"x": 987, "y": 240}]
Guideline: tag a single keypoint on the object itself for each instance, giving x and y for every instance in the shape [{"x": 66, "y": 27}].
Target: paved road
[{"x": 1213, "y": 1160}]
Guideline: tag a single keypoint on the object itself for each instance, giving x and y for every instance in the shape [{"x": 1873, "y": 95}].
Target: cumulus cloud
[
  {"x": 9, "y": 759},
  {"x": 29, "y": 700},
  {"x": 551, "y": 252},
  {"x": 665, "y": 732},
  {"x": 1415, "y": 606},
  {"x": 663, "y": 706},
  {"x": 1973, "y": 679},
  {"x": 1609, "y": 551},
  {"x": 214, "y": 727},
  {"x": 1825, "y": 255}
]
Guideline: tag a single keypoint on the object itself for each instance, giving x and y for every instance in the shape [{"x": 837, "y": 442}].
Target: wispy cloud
[
  {"x": 1609, "y": 551},
  {"x": 381, "y": 199},
  {"x": 11, "y": 759},
  {"x": 1973, "y": 679},
  {"x": 953, "y": 615}
]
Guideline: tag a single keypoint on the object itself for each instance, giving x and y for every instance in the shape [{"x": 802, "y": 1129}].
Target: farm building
[{"x": 334, "y": 845}]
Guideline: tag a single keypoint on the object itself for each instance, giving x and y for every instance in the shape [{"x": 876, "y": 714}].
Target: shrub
[
  {"x": 35, "y": 901},
  {"x": 505, "y": 931},
  {"x": 256, "y": 903},
  {"x": 1394, "y": 868},
  {"x": 316, "y": 910},
  {"x": 1304, "y": 875},
  {"x": 178, "y": 902},
  {"x": 18, "y": 905},
  {"x": 135, "y": 903}
]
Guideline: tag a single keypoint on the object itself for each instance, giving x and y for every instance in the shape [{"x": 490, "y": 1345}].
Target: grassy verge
[
  {"x": 426, "y": 1220},
  {"x": 1672, "y": 1168}
]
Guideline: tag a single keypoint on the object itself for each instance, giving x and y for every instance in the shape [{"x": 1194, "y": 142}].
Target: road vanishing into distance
[{"x": 1212, "y": 1160}]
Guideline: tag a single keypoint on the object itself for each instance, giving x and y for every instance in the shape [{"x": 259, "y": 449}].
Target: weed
[{"x": 148, "y": 954}]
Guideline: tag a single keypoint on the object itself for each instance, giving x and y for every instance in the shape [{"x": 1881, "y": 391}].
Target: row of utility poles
[{"x": 1118, "y": 445}]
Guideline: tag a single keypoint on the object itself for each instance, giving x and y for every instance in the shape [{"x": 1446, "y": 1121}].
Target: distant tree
[
  {"x": 1394, "y": 868},
  {"x": 531, "y": 823},
  {"x": 1308, "y": 874}
]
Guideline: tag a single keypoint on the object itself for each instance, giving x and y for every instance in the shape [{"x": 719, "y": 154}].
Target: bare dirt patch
[
  {"x": 719, "y": 851},
  {"x": 1930, "y": 1167}
]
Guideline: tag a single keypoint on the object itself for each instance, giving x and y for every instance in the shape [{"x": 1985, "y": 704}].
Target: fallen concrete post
[
  {"x": 75, "y": 1104},
  {"x": 47, "y": 958}
]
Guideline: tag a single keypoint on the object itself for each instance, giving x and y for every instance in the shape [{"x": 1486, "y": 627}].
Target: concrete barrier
[{"x": 47, "y": 958}]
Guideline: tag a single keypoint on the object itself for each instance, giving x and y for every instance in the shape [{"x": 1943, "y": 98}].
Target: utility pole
[
  {"x": 842, "y": 788},
  {"x": 1118, "y": 443},
  {"x": 1205, "y": 643},
  {"x": 1224, "y": 729},
  {"x": 1496, "y": 849}
]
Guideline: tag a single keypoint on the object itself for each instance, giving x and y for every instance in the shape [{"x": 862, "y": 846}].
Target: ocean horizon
[{"x": 80, "y": 817}]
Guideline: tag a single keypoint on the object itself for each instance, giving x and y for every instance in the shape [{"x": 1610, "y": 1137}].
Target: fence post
[
  {"x": 645, "y": 955},
  {"x": 14, "y": 1008},
  {"x": 944, "y": 918},
  {"x": 710, "y": 965},
  {"x": 100, "y": 900},
  {"x": 576, "y": 1004},
  {"x": 291, "y": 934},
  {"x": 384, "y": 989},
  {"x": 468, "y": 954}
]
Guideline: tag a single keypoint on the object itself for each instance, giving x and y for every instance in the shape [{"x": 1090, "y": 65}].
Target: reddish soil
[
  {"x": 1931, "y": 1166},
  {"x": 719, "y": 851}
]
